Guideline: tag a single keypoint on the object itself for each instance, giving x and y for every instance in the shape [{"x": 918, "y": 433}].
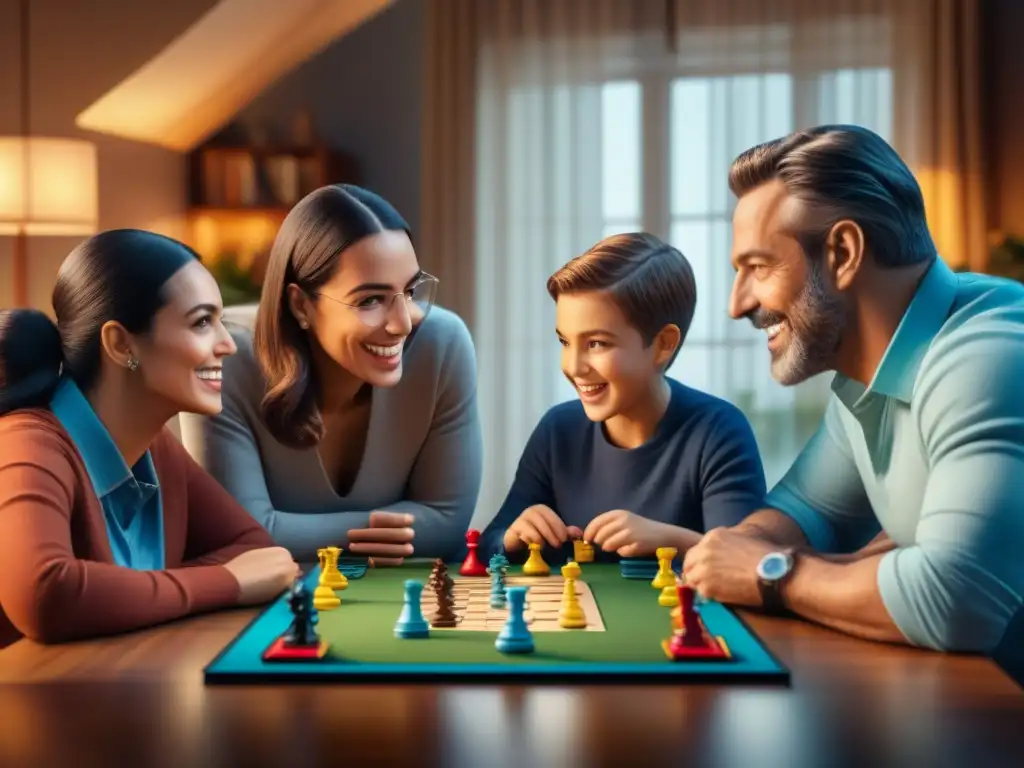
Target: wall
[
  {"x": 1005, "y": 58},
  {"x": 78, "y": 51},
  {"x": 364, "y": 94}
]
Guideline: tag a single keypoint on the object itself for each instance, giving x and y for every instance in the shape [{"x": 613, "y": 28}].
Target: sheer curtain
[{"x": 591, "y": 117}]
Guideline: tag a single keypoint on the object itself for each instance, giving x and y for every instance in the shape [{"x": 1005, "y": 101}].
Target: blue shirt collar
[
  {"x": 103, "y": 461},
  {"x": 924, "y": 318}
]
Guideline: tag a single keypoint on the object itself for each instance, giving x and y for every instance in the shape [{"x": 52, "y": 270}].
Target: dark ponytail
[
  {"x": 117, "y": 276},
  {"x": 30, "y": 359}
]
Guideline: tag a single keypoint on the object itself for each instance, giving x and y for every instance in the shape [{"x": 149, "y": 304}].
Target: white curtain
[{"x": 597, "y": 116}]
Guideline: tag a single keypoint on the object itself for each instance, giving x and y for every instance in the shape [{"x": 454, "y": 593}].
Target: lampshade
[{"x": 61, "y": 195}]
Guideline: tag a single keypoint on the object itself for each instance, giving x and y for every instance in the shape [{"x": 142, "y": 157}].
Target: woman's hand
[{"x": 388, "y": 540}]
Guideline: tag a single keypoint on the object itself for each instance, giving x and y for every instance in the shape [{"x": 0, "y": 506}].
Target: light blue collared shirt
[
  {"x": 932, "y": 451},
  {"x": 130, "y": 498}
]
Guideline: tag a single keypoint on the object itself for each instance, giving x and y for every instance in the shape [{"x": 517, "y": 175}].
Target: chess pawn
[
  {"x": 668, "y": 597},
  {"x": 515, "y": 636},
  {"x": 535, "y": 565},
  {"x": 411, "y": 623},
  {"x": 666, "y": 577},
  {"x": 324, "y": 598},
  {"x": 571, "y": 615}
]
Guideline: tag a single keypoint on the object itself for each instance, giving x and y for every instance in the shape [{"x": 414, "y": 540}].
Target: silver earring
[{"x": 133, "y": 364}]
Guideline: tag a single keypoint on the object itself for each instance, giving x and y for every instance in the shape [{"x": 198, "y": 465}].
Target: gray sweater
[{"x": 423, "y": 451}]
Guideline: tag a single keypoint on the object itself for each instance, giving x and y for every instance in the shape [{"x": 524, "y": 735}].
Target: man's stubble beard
[{"x": 815, "y": 326}]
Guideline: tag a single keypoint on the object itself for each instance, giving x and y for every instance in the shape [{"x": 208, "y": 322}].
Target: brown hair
[
  {"x": 651, "y": 282},
  {"x": 844, "y": 172},
  {"x": 307, "y": 252}
]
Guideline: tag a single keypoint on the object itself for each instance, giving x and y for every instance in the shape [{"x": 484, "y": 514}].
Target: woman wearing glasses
[{"x": 350, "y": 412}]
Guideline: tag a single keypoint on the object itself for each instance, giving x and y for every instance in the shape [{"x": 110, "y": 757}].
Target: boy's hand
[
  {"x": 628, "y": 534},
  {"x": 538, "y": 524}
]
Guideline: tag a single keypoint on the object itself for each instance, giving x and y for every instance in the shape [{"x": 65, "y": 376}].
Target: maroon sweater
[{"x": 58, "y": 577}]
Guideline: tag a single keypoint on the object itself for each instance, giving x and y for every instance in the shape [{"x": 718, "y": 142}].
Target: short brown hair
[
  {"x": 844, "y": 172},
  {"x": 651, "y": 282}
]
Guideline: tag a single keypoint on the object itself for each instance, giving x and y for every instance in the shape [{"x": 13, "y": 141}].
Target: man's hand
[
  {"x": 630, "y": 535},
  {"x": 536, "y": 525},
  {"x": 723, "y": 566},
  {"x": 388, "y": 540}
]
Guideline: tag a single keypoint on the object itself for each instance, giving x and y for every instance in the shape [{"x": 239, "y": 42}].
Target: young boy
[{"x": 640, "y": 461}]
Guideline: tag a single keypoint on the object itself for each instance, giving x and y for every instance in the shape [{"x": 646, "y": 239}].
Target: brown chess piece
[{"x": 445, "y": 615}]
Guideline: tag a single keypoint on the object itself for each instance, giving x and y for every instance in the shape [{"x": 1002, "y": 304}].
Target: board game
[{"x": 589, "y": 622}]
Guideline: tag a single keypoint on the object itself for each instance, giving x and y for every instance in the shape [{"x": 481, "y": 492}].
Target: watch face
[{"x": 773, "y": 566}]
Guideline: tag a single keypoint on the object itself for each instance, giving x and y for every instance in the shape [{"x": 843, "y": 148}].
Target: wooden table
[{"x": 139, "y": 700}]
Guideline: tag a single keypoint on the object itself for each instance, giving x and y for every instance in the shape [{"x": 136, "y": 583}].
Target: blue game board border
[{"x": 593, "y": 673}]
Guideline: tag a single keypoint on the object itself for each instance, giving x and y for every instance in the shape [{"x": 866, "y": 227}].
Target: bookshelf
[{"x": 238, "y": 197}]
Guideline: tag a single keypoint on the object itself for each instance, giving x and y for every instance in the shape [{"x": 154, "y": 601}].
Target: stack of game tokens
[{"x": 638, "y": 568}]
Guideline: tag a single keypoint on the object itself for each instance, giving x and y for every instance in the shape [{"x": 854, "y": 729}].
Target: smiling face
[
  {"x": 355, "y": 320},
  {"x": 778, "y": 288},
  {"x": 180, "y": 357},
  {"x": 605, "y": 357}
]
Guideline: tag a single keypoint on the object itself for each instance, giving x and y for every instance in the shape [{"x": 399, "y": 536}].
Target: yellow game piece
[
  {"x": 666, "y": 576},
  {"x": 535, "y": 565},
  {"x": 571, "y": 615},
  {"x": 324, "y": 598},
  {"x": 583, "y": 551},
  {"x": 669, "y": 597},
  {"x": 330, "y": 576}
]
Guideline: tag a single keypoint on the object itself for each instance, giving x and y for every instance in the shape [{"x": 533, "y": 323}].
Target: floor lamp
[{"x": 48, "y": 186}]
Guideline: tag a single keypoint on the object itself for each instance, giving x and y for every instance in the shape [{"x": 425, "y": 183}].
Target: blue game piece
[
  {"x": 497, "y": 566},
  {"x": 497, "y": 594},
  {"x": 411, "y": 623},
  {"x": 515, "y": 636}
]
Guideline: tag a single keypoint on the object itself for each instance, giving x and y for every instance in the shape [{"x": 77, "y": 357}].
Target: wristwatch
[{"x": 772, "y": 572}]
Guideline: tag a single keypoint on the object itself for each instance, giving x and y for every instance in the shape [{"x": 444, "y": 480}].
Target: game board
[
  {"x": 542, "y": 604},
  {"x": 625, "y": 639}
]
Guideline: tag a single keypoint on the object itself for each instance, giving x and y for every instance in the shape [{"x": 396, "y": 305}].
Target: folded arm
[
  {"x": 52, "y": 596},
  {"x": 219, "y": 528},
  {"x": 960, "y": 584}
]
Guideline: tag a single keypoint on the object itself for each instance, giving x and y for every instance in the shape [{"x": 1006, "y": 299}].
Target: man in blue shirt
[
  {"x": 640, "y": 460},
  {"x": 903, "y": 518}
]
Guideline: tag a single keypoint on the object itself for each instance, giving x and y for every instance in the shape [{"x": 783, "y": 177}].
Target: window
[
  {"x": 685, "y": 163},
  {"x": 621, "y": 157}
]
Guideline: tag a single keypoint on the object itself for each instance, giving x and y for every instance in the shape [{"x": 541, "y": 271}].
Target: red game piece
[
  {"x": 279, "y": 651},
  {"x": 692, "y": 642},
  {"x": 472, "y": 566}
]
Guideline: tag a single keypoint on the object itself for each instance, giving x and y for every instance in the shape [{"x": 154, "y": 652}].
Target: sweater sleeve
[
  {"x": 219, "y": 529},
  {"x": 51, "y": 596},
  {"x": 732, "y": 475},
  {"x": 531, "y": 485}
]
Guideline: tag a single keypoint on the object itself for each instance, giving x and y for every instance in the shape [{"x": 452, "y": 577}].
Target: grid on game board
[{"x": 543, "y": 602}]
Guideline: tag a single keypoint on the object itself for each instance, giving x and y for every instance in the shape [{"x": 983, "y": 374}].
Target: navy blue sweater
[{"x": 700, "y": 470}]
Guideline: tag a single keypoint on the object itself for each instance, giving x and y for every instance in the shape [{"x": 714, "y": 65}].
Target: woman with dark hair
[
  {"x": 337, "y": 429},
  {"x": 106, "y": 523}
]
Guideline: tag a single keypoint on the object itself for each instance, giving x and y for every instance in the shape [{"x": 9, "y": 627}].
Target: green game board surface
[{"x": 363, "y": 645}]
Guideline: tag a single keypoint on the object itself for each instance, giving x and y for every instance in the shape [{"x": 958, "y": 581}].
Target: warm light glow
[
  {"x": 61, "y": 196},
  {"x": 218, "y": 65},
  {"x": 243, "y": 234}
]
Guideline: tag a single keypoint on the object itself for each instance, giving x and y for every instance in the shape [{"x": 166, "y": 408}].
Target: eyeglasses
[{"x": 374, "y": 309}]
